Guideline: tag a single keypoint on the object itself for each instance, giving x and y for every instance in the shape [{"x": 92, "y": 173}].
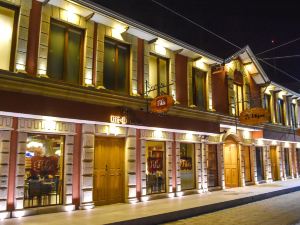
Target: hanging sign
[
  {"x": 254, "y": 116},
  {"x": 161, "y": 103}
]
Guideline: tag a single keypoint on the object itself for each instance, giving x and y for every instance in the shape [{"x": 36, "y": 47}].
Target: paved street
[{"x": 281, "y": 210}]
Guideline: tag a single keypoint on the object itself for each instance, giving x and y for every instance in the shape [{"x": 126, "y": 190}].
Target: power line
[
  {"x": 196, "y": 24},
  {"x": 282, "y": 57},
  {"x": 280, "y": 70},
  {"x": 289, "y": 42}
]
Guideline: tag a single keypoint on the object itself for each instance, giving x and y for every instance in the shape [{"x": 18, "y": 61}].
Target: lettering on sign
[
  {"x": 254, "y": 116},
  {"x": 118, "y": 119},
  {"x": 161, "y": 104}
]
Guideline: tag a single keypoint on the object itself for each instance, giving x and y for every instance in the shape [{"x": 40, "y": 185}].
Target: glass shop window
[
  {"x": 155, "y": 167},
  {"x": 8, "y": 27},
  {"x": 187, "y": 166},
  {"x": 158, "y": 75},
  {"x": 65, "y": 52},
  {"x": 116, "y": 66},
  {"x": 43, "y": 170},
  {"x": 199, "y": 88},
  {"x": 239, "y": 99}
]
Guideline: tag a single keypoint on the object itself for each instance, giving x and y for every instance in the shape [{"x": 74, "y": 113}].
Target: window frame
[
  {"x": 158, "y": 57},
  {"x": 117, "y": 43},
  {"x": 279, "y": 107},
  {"x": 68, "y": 26},
  {"x": 13, "y": 49},
  {"x": 237, "y": 103},
  {"x": 204, "y": 107}
]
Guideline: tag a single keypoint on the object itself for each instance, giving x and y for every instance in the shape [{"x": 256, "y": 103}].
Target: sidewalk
[{"x": 163, "y": 210}]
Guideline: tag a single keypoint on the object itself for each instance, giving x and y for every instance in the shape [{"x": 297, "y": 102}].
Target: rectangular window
[
  {"x": 187, "y": 168},
  {"x": 259, "y": 163},
  {"x": 287, "y": 162},
  {"x": 294, "y": 121},
  {"x": 158, "y": 75},
  {"x": 116, "y": 66},
  {"x": 239, "y": 100},
  {"x": 212, "y": 166},
  {"x": 8, "y": 27},
  {"x": 155, "y": 167},
  {"x": 43, "y": 170},
  {"x": 199, "y": 88},
  {"x": 267, "y": 103},
  {"x": 279, "y": 109},
  {"x": 65, "y": 52}
]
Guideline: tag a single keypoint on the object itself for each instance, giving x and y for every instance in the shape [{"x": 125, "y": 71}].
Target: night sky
[{"x": 261, "y": 25}]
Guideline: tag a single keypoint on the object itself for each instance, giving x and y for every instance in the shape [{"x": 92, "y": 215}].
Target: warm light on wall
[
  {"x": 250, "y": 68},
  {"x": 230, "y": 66},
  {"x": 286, "y": 144},
  {"x": 113, "y": 129},
  {"x": 72, "y": 16},
  {"x": 189, "y": 136},
  {"x": 158, "y": 134},
  {"x": 88, "y": 78},
  {"x": 160, "y": 49},
  {"x": 117, "y": 31},
  {"x": 274, "y": 143},
  {"x": 246, "y": 134},
  {"x": 200, "y": 64},
  {"x": 260, "y": 142},
  {"x": 50, "y": 124}
]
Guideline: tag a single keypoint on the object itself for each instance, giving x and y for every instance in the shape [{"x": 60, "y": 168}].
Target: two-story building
[{"x": 77, "y": 129}]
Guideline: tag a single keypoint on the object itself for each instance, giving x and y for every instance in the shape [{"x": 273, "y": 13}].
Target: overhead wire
[
  {"x": 281, "y": 57},
  {"x": 196, "y": 24}
]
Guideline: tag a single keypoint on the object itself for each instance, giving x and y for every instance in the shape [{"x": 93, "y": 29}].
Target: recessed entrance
[
  {"x": 287, "y": 162},
  {"x": 109, "y": 171},
  {"x": 212, "y": 166},
  {"x": 247, "y": 160},
  {"x": 231, "y": 168},
  {"x": 274, "y": 162}
]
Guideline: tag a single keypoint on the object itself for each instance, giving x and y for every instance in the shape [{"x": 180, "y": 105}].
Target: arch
[{"x": 231, "y": 137}]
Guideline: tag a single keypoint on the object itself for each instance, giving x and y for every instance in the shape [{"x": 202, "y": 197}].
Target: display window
[
  {"x": 155, "y": 167},
  {"x": 187, "y": 166},
  {"x": 43, "y": 170}
]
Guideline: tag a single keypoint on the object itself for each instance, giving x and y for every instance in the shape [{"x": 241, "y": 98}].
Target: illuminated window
[
  {"x": 116, "y": 66},
  {"x": 294, "y": 121},
  {"x": 239, "y": 100},
  {"x": 8, "y": 27},
  {"x": 158, "y": 75},
  {"x": 199, "y": 88},
  {"x": 279, "y": 111},
  {"x": 187, "y": 166},
  {"x": 267, "y": 103},
  {"x": 65, "y": 52}
]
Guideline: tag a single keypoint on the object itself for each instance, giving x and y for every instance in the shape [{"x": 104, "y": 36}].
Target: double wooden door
[
  {"x": 231, "y": 165},
  {"x": 212, "y": 166},
  {"x": 274, "y": 162},
  {"x": 109, "y": 171}
]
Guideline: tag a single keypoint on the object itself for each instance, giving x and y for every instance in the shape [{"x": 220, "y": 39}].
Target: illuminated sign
[
  {"x": 254, "y": 116},
  {"x": 161, "y": 103},
  {"x": 118, "y": 119}
]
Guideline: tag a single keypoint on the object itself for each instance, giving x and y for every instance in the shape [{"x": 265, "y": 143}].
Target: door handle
[{"x": 106, "y": 167}]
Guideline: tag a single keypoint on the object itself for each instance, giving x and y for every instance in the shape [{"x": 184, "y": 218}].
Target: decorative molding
[
  {"x": 5, "y": 123},
  {"x": 156, "y": 135}
]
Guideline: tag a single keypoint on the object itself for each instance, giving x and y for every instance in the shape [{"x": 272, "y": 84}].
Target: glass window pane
[
  {"x": 163, "y": 75},
  {"x": 6, "y": 27},
  {"x": 122, "y": 66},
  {"x": 109, "y": 79},
  {"x": 199, "y": 88},
  {"x": 187, "y": 168},
  {"x": 43, "y": 170},
  {"x": 153, "y": 74},
  {"x": 73, "y": 56},
  {"x": 155, "y": 167},
  {"x": 56, "y": 52},
  {"x": 240, "y": 98}
]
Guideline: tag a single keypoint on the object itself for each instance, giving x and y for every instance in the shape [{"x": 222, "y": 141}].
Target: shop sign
[
  {"x": 161, "y": 104},
  {"x": 254, "y": 116},
  {"x": 118, "y": 119}
]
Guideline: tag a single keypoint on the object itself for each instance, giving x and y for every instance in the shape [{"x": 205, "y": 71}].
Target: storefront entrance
[
  {"x": 259, "y": 163},
  {"x": 274, "y": 162},
  {"x": 247, "y": 160},
  {"x": 231, "y": 168},
  {"x": 212, "y": 166},
  {"x": 187, "y": 166},
  {"x": 287, "y": 162},
  {"x": 109, "y": 171}
]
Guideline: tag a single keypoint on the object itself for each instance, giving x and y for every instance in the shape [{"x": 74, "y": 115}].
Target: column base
[
  {"x": 87, "y": 205},
  {"x": 4, "y": 215}
]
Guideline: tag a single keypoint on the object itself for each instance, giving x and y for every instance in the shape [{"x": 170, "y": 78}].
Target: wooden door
[
  {"x": 109, "y": 171},
  {"x": 231, "y": 165},
  {"x": 247, "y": 160},
  {"x": 212, "y": 166},
  {"x": 274, "y": 162}
]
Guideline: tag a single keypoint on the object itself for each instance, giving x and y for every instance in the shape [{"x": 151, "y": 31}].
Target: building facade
[{"x": 77, "y": 130}]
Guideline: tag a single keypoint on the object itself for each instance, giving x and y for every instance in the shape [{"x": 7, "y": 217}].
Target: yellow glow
[
  {"x": 230, "y": 66},
  {"x": 134, "y": 92},
  {"x": 281, "y": 93},
  {"x": 179, "y": 194},
  {"x": 145, "y": 198},
  {"x": 286, "y": 144},
  {"x": 50, "y": 124},
  {"x": 116, "y": 34},
  {"x": 250, "y": 68},
  {"x": 158, "y": 134},
  {"x": 160, "y": 49},
  {"x": 189, "y": 136},
  {"x": 200, "y": 64},
  {"x": 71, "y": 14},
  {"x": 113, "y": 129},
  {"x": 20, "y": 67},
  {"x": 246, "y": 134},
  {"x": 260, "y": 142},
  {"x": 274, "y": 143}
]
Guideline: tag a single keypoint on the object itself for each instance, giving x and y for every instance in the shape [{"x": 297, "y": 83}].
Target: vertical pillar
[
  {"x": 292, "y": 160},
  {"x": 221, "y": 173},
  {"x": 140, "y": 66},
  {"x": 198, "y": 167},
  {"x": 12, "y": 165},
  {"x": 95, "y": 45},
  {"x": 170, "y": 162},
  {"x": 280, "y": 162},
  {"x": 174, "y": 164},
  {"x": 242, "y": 165},
  {"x": 284, "y": 175},
  {"x": 33, "y": 37},
  {"x": 204, "y": 166},
  {"x": 138, "y": 165},
  {"x": 177, "y": 167},
  {"x": 143, "y": 169},
  {"x": 253, "y": 150},
  {"x": 76, "y": 165}
]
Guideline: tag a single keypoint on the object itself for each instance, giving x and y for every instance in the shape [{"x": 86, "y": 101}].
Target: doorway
[
  {"x": 109, "y": 171},
  {"x": 298, "y": 159},
  {"x": 274, "y": 162},
  {"x": 212, "y": 166},
  {"x": 187, "y": 166},
  {"x": 231, "y": 168},
  {"x": 259, "y": 163},
  {"x": 287, "y": 162},
  {"x": 247, "y": 160}
]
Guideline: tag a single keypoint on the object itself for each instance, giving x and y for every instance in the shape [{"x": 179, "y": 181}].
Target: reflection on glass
[
  {"x": 187, "y": 169},
  {"x": 43, "y": 170},
  {"x": 155, "y": 167}
]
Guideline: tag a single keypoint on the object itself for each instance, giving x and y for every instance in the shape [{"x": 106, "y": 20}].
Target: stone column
[
  {"x": 143, "y": 170},
  {"x": 253, "y": 150},
  {"x": 198, "y": 163},
  {"x": 268, "y": 166},
  {"x": 178, "y": 177},
  {"x": 204, "y": 166},
  {"x": 221, "y": 173},
  {"x": 241, "y": 156},
  {"x": 169, "y": 163},
  {"x": 280, "y": 162}
]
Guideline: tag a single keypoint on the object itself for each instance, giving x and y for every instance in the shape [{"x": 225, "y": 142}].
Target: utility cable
[
  {"x": 196, "y": 24},
  {"x": 284, "y": 44},
  {"x": 281, "y": 57},
  {"x": 280, "y": 70}
]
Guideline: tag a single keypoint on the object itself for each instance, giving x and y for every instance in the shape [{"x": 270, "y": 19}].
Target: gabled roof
[{"x": 248, "y": 58}]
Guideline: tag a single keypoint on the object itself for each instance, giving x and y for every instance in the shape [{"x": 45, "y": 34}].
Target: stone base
[
  {"x": 87, "y": 205},
  {"x": 4, "y": 215}
]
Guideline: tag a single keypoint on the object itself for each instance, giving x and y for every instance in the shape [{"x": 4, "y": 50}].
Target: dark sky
[{"x": 253, "y": 23}]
